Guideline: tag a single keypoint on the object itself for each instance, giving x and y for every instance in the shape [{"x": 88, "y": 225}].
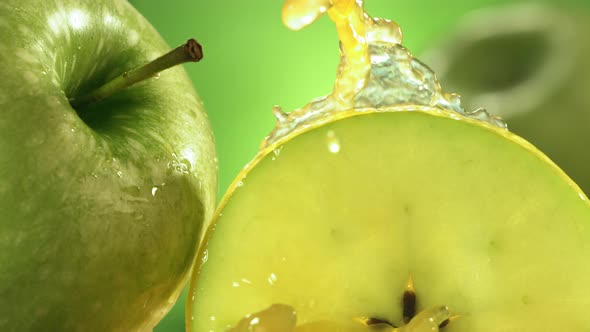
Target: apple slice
[{"x": 332, "y": 221}]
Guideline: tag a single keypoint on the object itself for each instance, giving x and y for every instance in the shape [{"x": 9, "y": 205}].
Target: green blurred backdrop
[{"x": 252, "y": 62}]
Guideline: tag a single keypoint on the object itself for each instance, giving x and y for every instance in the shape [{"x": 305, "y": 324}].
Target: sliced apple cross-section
[{"x": 332, "y": 222}]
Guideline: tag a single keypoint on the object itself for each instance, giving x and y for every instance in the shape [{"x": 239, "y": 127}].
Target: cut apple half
[{"x": 334, "y": 220}]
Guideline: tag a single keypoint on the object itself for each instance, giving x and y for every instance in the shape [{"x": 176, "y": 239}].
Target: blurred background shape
[
  {"x": 486, "y": 50},
  {"x": 530, "y": 64}
]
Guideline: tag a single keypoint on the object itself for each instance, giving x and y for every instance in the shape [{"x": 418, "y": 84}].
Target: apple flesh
[
  {"x": 101, "y": 207},
  {"x": 333, "y": 222}
]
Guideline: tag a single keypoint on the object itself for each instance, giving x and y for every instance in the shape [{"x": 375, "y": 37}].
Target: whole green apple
[{"x": 101, "y": 206}]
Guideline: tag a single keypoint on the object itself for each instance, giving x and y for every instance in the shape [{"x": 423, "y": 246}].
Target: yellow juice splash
[{"x": 375, "y": 70}]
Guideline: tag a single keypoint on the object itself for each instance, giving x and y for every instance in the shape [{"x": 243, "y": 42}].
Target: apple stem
[{"x": 191, "y": 51}]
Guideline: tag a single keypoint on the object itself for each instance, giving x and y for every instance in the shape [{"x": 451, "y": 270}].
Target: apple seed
[{"x": 409, "y": 305}]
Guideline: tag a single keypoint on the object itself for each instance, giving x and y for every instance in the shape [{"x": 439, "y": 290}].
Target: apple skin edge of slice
[{"x": 332, "y": 220}]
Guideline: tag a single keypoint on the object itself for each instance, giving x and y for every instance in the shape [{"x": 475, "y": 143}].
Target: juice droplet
[
  {"x": 299, "y": 14},
  {"x": 333, "y": 142},
  {"x": 272, "y": 279},
  {"x": 281, "y": 116},
  {"x": 428, "y": 320},
  {"x": 375, "y": 70},
  {"x": 277, "y": 151},
  {"x": 278, "y": 317}
]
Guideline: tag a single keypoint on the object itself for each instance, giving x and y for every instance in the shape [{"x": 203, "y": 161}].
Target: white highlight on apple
[
  {"x": 333, "y": 142},
  {"x": 272, "y": 279},
  {"x": 110, "y": 20},
  {"x": 77, "y": 19},
  {"x": 255, "y": 321}
]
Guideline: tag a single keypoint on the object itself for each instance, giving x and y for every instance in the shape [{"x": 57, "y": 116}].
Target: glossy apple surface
[
  {"x": 335, "y": 220},
  {"x": 101, "y": 207}
]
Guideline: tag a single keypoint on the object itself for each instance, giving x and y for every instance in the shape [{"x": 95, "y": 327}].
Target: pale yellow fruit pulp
[{"x": 484, "y": 223}]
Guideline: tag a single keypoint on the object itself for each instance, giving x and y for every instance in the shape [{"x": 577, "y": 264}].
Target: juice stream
[{"x": 375, "y": 70}]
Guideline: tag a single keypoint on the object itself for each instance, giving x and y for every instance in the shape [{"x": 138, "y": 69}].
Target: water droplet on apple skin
[{"x": 182, "y": 166}]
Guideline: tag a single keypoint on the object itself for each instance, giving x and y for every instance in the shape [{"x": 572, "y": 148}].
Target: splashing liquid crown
[{"x": 375, "y": 70}]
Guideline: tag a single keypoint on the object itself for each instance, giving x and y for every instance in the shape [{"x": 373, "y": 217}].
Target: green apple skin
[{"x": 101, "y": 208}]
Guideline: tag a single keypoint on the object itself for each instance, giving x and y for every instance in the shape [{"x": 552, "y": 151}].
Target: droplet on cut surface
[
  {"x": 277, "y": 317},
  {"x": 333, "y": 142},
  {"x": 272, "y": 279},
  {"x": 428, "y": 320}
]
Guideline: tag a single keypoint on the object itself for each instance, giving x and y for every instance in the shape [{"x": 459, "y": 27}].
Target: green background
[{"x": 253, "y": 62}]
